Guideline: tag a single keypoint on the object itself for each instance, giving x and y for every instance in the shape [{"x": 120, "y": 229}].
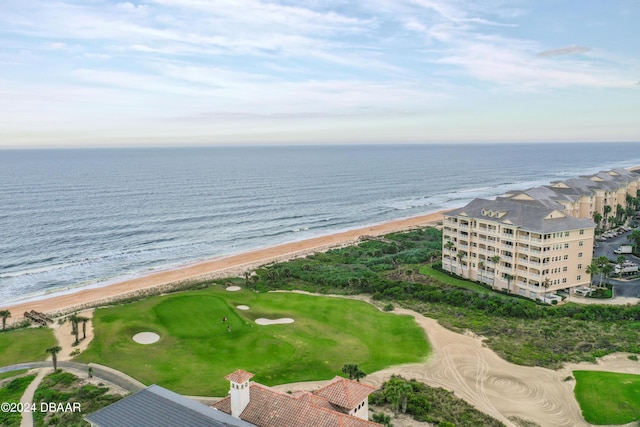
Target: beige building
[{"x": 538, "y": 241}]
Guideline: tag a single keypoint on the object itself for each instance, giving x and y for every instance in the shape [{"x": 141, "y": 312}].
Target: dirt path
[
  {"x": 27, "y": 397},
  {"x": 66, "y": 339},
  {"x": 463, "y": 364}
]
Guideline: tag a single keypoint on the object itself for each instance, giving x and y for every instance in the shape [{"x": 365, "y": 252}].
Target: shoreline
[{"x": 219, "y": 267}]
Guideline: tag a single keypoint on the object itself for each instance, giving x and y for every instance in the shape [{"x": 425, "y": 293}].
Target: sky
[{"x": 189, "y": 72}]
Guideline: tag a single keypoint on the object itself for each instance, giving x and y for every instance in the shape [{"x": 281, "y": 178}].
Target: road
[{"x": 622, "y": 288}]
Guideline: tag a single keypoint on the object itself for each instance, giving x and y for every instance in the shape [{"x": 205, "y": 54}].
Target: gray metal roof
[
  {"x": 527, "y": 214},
  {"x": 158, "y": 407}
]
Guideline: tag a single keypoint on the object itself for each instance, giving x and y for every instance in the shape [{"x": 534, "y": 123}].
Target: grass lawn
[
  {"x": 607, "y": 397},
  {"x": 427, "y": 270},
  {"x": 12, "y": 392},
  {"x": 25, "y": 345},
  {"x": 12, "y": 373},
  {"x": 196, "y": 351}
]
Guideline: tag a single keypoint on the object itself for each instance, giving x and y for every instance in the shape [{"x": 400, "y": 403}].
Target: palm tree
[
  {"x": 246, "y": 278},
  {"x": 481, "y": 267},
  {"x": 54, "y": 355},
  {"x": 449, "y": 245},
  {"x": 607, "y": 211},
  {"x": 619, "y": 211},
  {"x": 495, "y": 260},
  {"x": 597, "y": 217},
  {"x": 509, "y": 278},
  {"x": 606, "y": 271},
  {"x": 602, "y": 261},
  {"x": 4, "y": 314},
  {"x": 354, "y": 372},
  {"x": 460, "y": 256},
  {"x": 84, "y": 321},
  {"x": 592, "y": 269},
  {"x": 546, "y": 283},
  {"x": 74, "y": 319},
  {"x": 621, "y": 259}
]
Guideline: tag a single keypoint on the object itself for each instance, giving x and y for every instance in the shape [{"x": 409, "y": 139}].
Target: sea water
[{"x": 72, "y": 218}]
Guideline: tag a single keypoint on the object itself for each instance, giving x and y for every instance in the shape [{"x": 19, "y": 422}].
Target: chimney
[{"x": 239, "y": 391}]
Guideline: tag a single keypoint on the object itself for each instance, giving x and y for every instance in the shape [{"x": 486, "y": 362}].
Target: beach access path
[{"x": 229, "y": 266}]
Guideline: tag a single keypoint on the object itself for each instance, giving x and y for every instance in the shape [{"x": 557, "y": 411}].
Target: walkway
[{"x": 27, "y": 397}]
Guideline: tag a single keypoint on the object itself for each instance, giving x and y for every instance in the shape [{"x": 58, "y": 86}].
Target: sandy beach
[{"x": 234, "y": 265}]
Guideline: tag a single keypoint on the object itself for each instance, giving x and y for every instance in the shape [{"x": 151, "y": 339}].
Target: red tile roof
[
  {"x": 272, "y": 408},
  {"x": 239, "y": 376},
  {"x": 345, "y": 393}
]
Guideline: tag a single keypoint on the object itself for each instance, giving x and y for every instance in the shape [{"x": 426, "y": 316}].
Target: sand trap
[
  {"x": 234, "y": 288},
  {"x": 146, "y": 337},
  {"x": 243, "y": 307},
  {"x": 283, "y": 320}
]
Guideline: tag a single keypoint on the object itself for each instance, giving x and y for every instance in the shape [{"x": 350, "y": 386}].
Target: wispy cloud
[{"x": 569, "y": 50}]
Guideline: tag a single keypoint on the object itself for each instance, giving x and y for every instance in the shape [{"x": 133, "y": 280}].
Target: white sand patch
[
  {"x": 234, "y": 288},
  {"x": 243, "y": 307},
  {"x": 282, "y": 320},
  {"x": 146, "y": 337}
]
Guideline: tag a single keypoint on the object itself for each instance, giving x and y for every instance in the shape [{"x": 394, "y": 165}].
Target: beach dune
[{"x": 234, "y": 265}]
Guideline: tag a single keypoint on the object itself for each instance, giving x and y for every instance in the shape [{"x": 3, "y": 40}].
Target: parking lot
[{"x": 623, "y": 288}]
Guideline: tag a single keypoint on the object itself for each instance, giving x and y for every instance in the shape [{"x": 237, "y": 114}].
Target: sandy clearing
[
  {"x": 243, "y": 307},
  {"x": 146, "y": 338},
  {"x": 281, "y": 321},
  {"x": 233, "y": 288},
  {"x": 66, "y": 339},
  {"x": 475, "y": 373}
]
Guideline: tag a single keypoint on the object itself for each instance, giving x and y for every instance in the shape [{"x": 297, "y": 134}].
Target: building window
[
  {"x": 566, "y": 234},
  {"x": 564, "y": 269},
  {"x": 579, "y": 255},
  {"x": 578, "y": 277},
  {"x": 582, "y": 231},
  {"x": 566, "y": 246},
  {"x": 580, "y": 243},
  {"x": 564, "y": 280},
  {"x": 566, "y": 257},
  {"x": 579, "y": 266}
]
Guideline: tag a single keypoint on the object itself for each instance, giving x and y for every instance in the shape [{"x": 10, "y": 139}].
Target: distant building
[
  {"x": 158, "y": 407},
  {"x": 341, "y": 403},
  {"x": 537, "y": 241}
]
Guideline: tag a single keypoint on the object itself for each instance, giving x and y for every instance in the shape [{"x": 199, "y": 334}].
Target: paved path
[
  {"x": 27, "y": 397},
  {"x": 102, "y": 372}
]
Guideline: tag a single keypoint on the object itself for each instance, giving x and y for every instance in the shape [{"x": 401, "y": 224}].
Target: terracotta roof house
[{"x": 341, "y": 403}]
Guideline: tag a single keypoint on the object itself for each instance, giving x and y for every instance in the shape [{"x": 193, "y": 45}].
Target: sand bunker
[
  {"x": 234, "y": 288},
  {"x": 243, "y": 307},
  {"x": 283, "y": 320},
  {"x": 146, "y": 337}
]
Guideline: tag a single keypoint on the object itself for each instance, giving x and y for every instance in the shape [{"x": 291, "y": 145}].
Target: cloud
[{"x": 569, "y": 50}]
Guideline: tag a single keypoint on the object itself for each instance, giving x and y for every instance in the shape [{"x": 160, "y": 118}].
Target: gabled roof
[
  {"x": 271, "y": 408},
  {"x": 533, "y": 215},
  {"x": 345, "y": 393},
  {"x": 155, "y": 406}
]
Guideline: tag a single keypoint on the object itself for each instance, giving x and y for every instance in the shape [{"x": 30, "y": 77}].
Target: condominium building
[
  {"x": 523, "y": 247},
  {"x": 534, "y": 242}
]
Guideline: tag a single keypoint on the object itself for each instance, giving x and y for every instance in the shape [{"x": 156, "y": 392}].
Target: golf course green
[
  {"x": 197, "y": 349},
  {"x": 608, "y": 397}
]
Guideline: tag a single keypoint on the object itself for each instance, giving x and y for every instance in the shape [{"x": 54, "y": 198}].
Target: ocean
[{"x": 72, "y": 218}]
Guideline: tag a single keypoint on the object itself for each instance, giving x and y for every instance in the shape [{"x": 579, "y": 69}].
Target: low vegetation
[
  {"x": 397, "y": 268},
  {"x": 607, "y": 397},
  {"x": 436, "y": 406},
  {"x": 11, "y": 393},
  {"x": 67, "y": 389},
  {"x": 25, "y": 345},
  {"x": 197, "y": 350}
]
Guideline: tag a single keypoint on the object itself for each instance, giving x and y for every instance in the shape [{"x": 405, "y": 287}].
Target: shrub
[{"x": 388, "y": 307}]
